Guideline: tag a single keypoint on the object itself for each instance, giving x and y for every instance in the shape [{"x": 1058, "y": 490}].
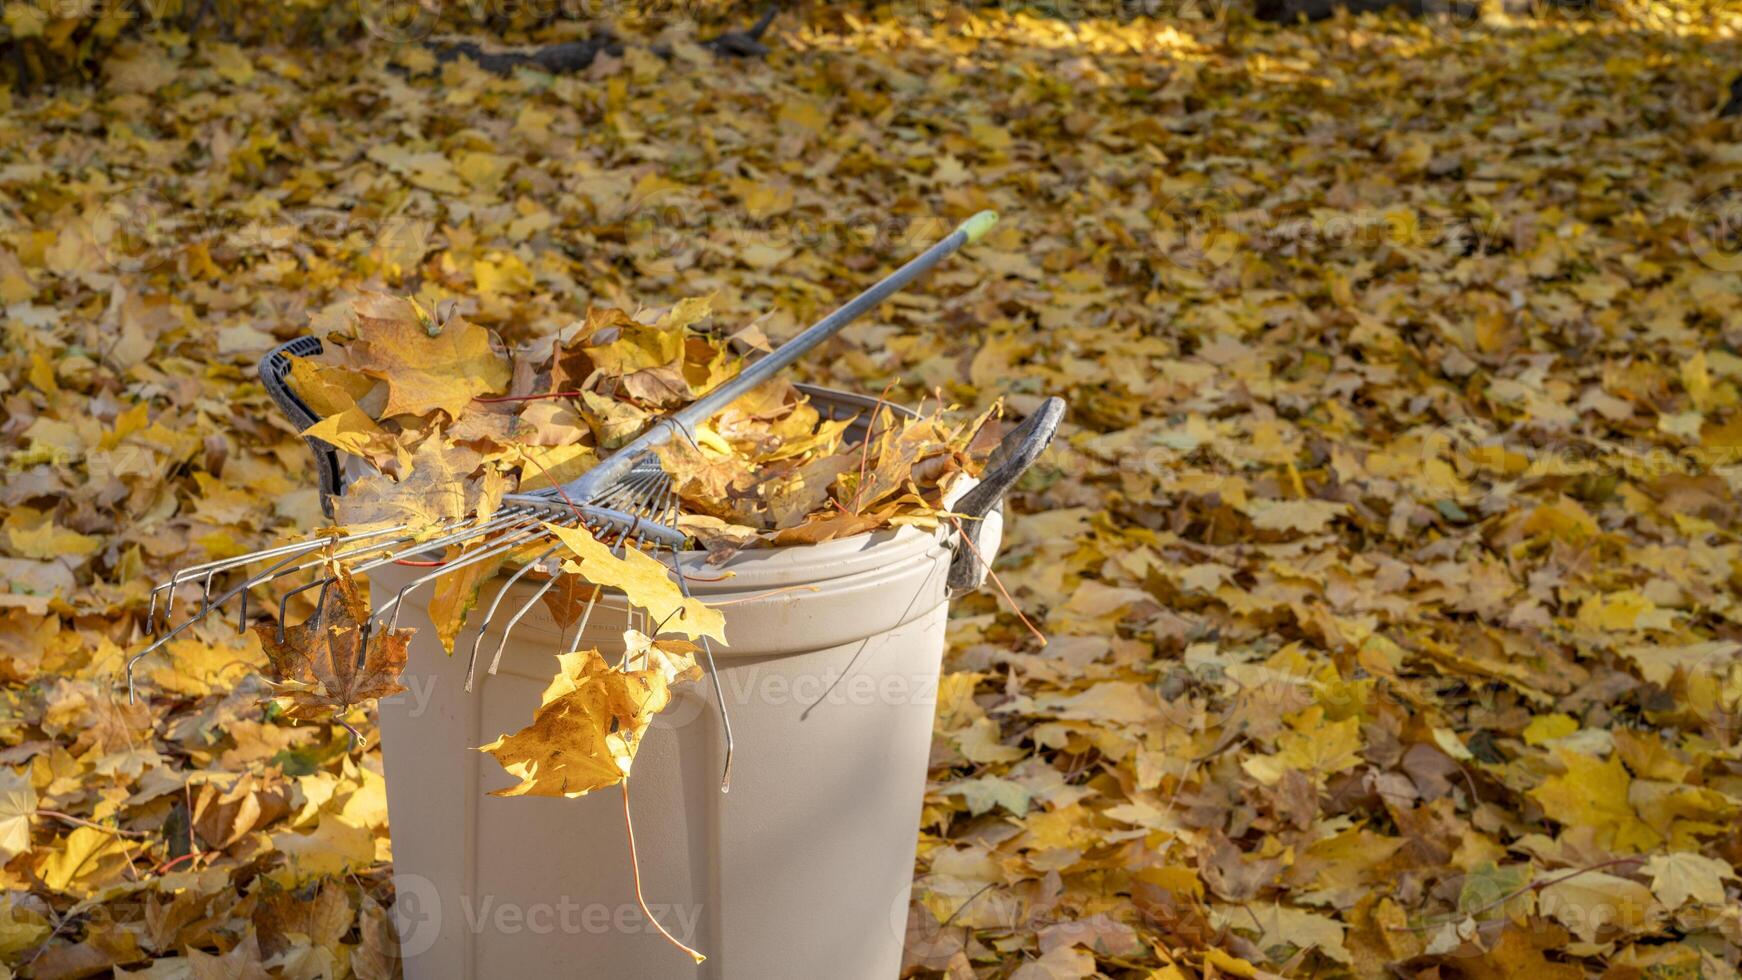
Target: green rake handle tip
[{"x": 977, "y": 226}]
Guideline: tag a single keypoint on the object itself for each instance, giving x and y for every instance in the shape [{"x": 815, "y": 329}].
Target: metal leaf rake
[{"x": 627, "y": 501}]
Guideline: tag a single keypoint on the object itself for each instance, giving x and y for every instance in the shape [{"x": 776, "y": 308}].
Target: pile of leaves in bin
[
  {"x": 1388, "y": 556},
  {"x": 451, "y": 421}
]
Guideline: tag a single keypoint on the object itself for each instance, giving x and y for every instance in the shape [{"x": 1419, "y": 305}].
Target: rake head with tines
[{"x": 626, "y": 501}]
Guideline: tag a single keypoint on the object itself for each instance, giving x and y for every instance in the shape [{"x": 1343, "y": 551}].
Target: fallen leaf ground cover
[{"x": 1389, "y": 555}]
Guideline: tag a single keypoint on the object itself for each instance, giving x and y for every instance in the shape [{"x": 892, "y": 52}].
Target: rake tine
[
  {"x": 294, "y": 552},
  {"x": 266, "y": 576},
  {"x": 501, "y": 645},
  {"x": 284, "y": 602},
  {"x": 667, "y": 513},
  {"x": 508, "y": 541},
  {"x": 152, "y": 648},
  {"x": 343, "y": 556},
  {"x": 498, "y": 522},
  {"x": 515, "y": 531},
  {"x": 586, "y": 614},
  {"x": 639, "y": 491},
  {"x": 495, "y": 604},
  {"x": 370, "y": 622},
  {"x": 683, "y": 585},
  {"x": 225, "y": 564},
  {"x": 274, "y": 573},
  {"x": 189, "y": 574},
  {"x": 320, "y": 616},
  {"x": 635, "y": 490},
  {"x": 206, "y": 594},
  {"x": 364, "y": 567},
  {"x": 241, "y": 589},
  {"x": 160, "y": 642},
  {"x": 169, "y": 604}
]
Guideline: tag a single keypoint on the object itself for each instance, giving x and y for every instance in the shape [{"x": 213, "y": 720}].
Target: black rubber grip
[
  {"x": 274, "y": 372},
  {"x": 1014, "y": 455}
]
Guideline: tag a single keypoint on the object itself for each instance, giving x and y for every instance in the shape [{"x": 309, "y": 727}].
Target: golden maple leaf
[
  {"x": 424, "y": 371},
  {"x": 322, "y": 666},
  {"x": 586, "y": 730},
  {"x": 644, "y": 581},
  {"x": 1593, "y": 793}
]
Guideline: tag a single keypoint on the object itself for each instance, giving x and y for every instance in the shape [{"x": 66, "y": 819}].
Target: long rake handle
[
  {"x": 783, "y": 356},
  {"x": 617, "y": 465}
]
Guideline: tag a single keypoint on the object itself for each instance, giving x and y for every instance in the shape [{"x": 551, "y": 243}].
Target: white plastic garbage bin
[
  {"x": 793, "y": 874},
  {"x": 803, "y": 871}
]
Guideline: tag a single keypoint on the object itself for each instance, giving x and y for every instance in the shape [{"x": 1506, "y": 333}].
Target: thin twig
[
  {"x": 1533, "y": 886},
  {"x": 635, "y": 870},
  {"x": 165, "y": 866},
  {"x": 42, "y": 947},
  {"x": 965, "y": 903},
  {"x": 573, "y": 507},
  {"x": 82, "y": 822},
  {"x": 969, "y": 541},
  {"x": 527, "y": 398}
]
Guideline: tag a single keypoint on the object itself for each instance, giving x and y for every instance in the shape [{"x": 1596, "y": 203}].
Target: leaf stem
[{"x": 635, "y": 870}]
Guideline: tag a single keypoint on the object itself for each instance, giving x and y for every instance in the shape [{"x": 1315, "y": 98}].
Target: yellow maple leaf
[
  {"x": 17, "y": 806},
  {"x": 1312, "y": 746},
  {"x": 549, "y": 466},
  {"x": 196, "y": 668},
  {"x": 1593, "y": 793},
  {"x": 1684, "y": 876},
  {"x": 35, "y": 535},
  {"x": 1622, "y": 611},
  {"x": 1547, "y": 728},
  {"x": 503, "y": 273},
  {"x": 353, "y": 432},
  {"x": 325, "y": 389},
  {"x": 437, "y": 488},
  {"x": 674, "y": 659},
  {"x": 1305, "y": 516},
  {"x": 456, "y": 593},
  {"x": 1590, "y": 903},
  {"x": 424, "y": 372},
  {"x": 21, "y": 927},
  {"x": 644, "y": 581},
  {"x": 84, "y": 861},
  {"x": 333, "y": 848},
  {"x": 586, "y": 730},
  {"x": 636, "y": 347}
]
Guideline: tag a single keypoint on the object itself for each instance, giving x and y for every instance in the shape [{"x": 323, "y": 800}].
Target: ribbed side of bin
[{"x": 802, "y": 871}]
